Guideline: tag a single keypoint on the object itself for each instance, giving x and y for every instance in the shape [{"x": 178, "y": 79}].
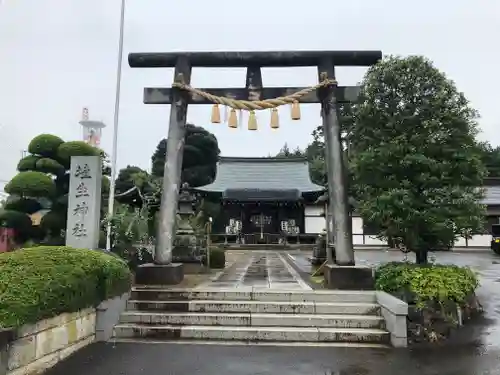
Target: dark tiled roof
[{"x": 262, "y": 174}]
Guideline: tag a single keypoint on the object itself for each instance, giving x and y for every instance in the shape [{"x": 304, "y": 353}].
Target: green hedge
[
  {"x": 45, "y": 145},
  {"x": 75, "y": 148},
  {"x": 424, "y": 284},
  {"x": 31, "y": 184},
  {"x": 42, "y": 282},
  {"x": 28, "y": 163}
]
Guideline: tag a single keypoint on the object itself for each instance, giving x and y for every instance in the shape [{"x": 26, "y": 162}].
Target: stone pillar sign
[{"x": 84, "y": 202}]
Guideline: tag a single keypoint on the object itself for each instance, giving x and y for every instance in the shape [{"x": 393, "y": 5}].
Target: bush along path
[
  {"x": 440, "y": 297},
  {"x": 43, "y": 282},
  {"x": 41, "y": 189}
]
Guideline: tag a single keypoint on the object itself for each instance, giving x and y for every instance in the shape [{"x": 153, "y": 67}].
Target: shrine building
[
  {"x": 266, "y": 200},
  {"x": 269, "y": 200}
]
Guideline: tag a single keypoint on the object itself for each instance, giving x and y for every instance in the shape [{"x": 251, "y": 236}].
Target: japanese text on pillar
[{"x": 81, "y": 208}]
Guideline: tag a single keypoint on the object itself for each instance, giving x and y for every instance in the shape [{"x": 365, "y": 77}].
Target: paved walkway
[
  {"x": 474, "y": 352},
  {"x": 261, "y": 269}
]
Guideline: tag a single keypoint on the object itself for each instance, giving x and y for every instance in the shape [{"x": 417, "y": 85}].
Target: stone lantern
[{"x": 185, "y": 244}]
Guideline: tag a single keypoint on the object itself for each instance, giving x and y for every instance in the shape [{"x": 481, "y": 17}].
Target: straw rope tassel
[
  {"x": 252, "y": 121},
  {"x": 275, "y": 121},
  {"x": 254, "y": 105},
  {"x": 295, "y": 110},
  {"x": 215, "y": 114},
  {"x": 233, "y": 121}
]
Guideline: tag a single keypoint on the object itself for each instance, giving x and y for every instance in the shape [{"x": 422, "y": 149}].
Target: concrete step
[
  {"x": 125, "y": 340},
  {"x": 225, "y": 306},
  {"x": 249, "y": 319},
  {"x": 251, "y": 294},
  {"x": 278, "y": 334}
]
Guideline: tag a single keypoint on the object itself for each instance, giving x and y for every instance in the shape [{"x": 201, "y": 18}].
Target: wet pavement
[
  {"x": 172, "y": 359},
  {"x": 483, "y": 333},
  {"x": 474, "y": 350},
  {"x": 262, "y": 269}
]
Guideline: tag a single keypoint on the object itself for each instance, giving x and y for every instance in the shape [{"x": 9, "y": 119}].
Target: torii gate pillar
[{"x": 342, "y": 275}]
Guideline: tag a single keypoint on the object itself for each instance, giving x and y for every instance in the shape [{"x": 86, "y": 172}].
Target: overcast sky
[{"x": 57, "y": 56}]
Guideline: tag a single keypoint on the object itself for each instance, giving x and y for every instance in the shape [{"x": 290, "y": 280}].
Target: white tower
[{"x": 92, "y": 130}]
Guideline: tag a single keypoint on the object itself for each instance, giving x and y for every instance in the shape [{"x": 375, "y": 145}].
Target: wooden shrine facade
[{"x": 264, "y": 200}]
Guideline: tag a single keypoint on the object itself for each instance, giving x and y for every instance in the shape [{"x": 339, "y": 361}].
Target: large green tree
[
  {"x": 43, "y": 183},
  {"x": 286, "y": 152},
  {"x": 126, "y": 186},
  {"x": 490, "y": 157},
  {"x": 201, "y": 153},
  {"x": 413, "y": 156},
  {"x": 315, "y": 151}
]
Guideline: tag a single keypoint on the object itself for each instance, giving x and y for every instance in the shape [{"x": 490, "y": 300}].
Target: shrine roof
[{"x": 269, "y": 174}]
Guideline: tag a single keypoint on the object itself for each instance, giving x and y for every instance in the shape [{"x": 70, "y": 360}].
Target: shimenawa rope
[{"x": 254, "y": 105}]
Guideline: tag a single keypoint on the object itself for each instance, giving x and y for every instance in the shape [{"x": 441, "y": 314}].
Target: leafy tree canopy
[
  {"x": 18, "y": 221},
  {"x": 490, "y": 157},
  {"x": 43, "y": 179},
  {"x": 286, "y": 152},
  {"x": 31, "y": 184},
  {"x": 126, "y": 181},
  {"x": 75, "y": 148},
  {"x": 45, "y": 145},
  {"x": 413, "y": 156},
  {"x": 26, "y": 205},
  {"x": 201, "y": 153},
  {"x": 315, "y": 151}
]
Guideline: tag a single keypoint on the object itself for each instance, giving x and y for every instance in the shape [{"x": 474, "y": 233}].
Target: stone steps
[
  {"x": 226, "y": 306},
  {"x": 252, "y": 320},
  {"x": 245, "y": 333},
  {"x": 252, "y": 343},
  {"x": 252, "y": 294},
  {"x": 252, "y": 315}
]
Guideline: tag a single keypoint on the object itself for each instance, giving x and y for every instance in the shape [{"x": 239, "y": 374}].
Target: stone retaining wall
[
  {"x": 34, "y": 348},
  {"x": 436, "y": 322},
  {"x": 395, "y": 313}
]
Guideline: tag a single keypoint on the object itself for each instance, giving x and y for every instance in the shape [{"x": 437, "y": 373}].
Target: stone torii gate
[{"x": 344, "y": 274}]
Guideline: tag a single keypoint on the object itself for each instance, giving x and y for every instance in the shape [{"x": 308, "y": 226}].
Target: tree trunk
[{"x": 421, "y": 256}]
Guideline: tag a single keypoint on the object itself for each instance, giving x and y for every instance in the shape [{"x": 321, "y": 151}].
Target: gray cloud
[{"x": 57, "y": 56}]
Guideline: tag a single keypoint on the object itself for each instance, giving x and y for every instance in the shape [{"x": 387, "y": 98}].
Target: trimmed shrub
[
  {"x": 31, "y": 184},
  {"x": 25, "y": 205},
  {"x": 42, "y": 282},
  {"x": 45, "y": 145},
  {"x": 105, "y": 184},
  {"x": 28, "y": 163},
  {"x": 427, "y": 284},
  {"x": 217, "y": 258},
  {"x": 51, "y": 166},
  {"x": 20, "y": 222},
  {"x": 53, "y": 222},
  {"x": 133, "y": 255},
  {"x": 75, "y": 148}
]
